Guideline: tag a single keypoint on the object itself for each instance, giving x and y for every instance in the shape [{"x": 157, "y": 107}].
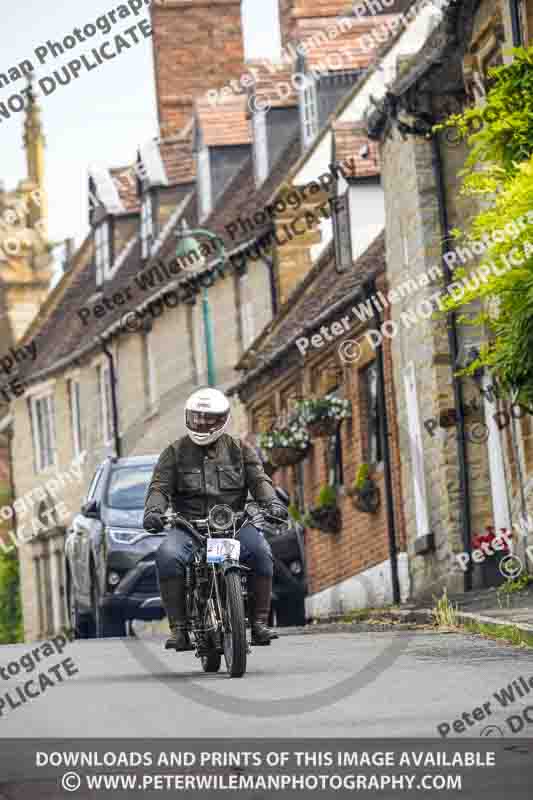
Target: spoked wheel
[{"x": 235, "y": 646}]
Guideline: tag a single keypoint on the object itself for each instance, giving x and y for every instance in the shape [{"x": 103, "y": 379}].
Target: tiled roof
[
  {"x": 62, "y": 335},
  {"x": 273, "y": 86},
  {"x": 348, "y": 49},
  {"x": 124, "y": 178},
  {"x": 225, "y": 123},
  {"x": 178, "y": 160},
  {"x": 351, "y": 142}
]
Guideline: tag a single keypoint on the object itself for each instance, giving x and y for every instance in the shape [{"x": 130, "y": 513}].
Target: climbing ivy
[
  {"x": 10, "y": 608},
  {"x": 498, "y": 172}
]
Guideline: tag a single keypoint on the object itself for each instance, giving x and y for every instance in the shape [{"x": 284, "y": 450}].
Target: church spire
[{"x": 34, "y": 143}]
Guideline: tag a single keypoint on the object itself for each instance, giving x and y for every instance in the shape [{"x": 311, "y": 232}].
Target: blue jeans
[{"x": 178, "y": 548}]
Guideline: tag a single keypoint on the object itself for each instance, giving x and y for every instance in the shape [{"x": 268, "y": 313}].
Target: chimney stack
[{"x": 198, "y": 45}]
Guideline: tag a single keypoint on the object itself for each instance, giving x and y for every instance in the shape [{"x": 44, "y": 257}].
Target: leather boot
[
  {"x": 173, "y": 597},
  {"x": 260, "y": 611}
]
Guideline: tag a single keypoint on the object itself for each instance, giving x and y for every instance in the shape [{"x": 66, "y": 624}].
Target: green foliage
[
  {"x": 444, "y": 612},
  {"x": 10, "y": 608},
  {"x": 294, "y": 513},
  {"x": 500, "y": 134},
  {"x": 362, "y": 475},
  {"x": 327, "y": 497},
  {"x": 516, "y": 586},
  {"x": 499, "y": 170},
  {"x": 328, "y": 407}
]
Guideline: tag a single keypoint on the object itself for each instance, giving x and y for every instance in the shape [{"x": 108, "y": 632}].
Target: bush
[{"x": 11, "y": 629}]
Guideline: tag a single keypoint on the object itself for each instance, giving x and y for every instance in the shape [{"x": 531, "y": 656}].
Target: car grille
[{"x": 147, "y": 583}]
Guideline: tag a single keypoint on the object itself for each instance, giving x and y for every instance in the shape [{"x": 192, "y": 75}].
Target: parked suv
[{"x": 111, "y": 574}]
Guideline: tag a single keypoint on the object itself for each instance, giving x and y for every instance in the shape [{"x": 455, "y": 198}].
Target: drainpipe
[
  {"x": 516, "y": 28},
  {"x": 454, "y": 349},
  {"x": 114, "y": 403},
  {"x": 370, "y": 290}
]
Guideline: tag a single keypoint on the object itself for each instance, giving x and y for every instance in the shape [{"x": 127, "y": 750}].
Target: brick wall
[{"x": 187, "y": 33}]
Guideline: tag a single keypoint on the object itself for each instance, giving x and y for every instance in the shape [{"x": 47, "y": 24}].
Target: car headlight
[
  {"x": 113, "y": 578},
  {"x": 295, "y": 567},
  {"x": 124, "y": 535}
]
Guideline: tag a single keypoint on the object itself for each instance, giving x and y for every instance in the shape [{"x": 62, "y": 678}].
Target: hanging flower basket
[
  {"x": 328, "y": 520},
  {"x": 322, "y": 428},
  {"x": 325, "y": 515},
  {"x": 322, "y": 415},
  {"x": 286, "y": 446},
  {"x": 367, "y": 497},
  {"x": 287, "y": 456}
]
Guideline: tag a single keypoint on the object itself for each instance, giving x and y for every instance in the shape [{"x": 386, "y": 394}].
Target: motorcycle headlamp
[{"x": 221, "y": 518}]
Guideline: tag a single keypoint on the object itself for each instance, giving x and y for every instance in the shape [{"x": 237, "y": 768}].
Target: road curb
[{"x": 418, "y": 616}]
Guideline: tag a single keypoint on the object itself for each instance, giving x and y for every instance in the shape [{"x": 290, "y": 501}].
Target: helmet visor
[{"x": 205, "y": 422}]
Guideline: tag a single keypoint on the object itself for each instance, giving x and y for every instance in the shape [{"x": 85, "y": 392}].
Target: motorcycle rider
[{"x": 196, "y": 472}]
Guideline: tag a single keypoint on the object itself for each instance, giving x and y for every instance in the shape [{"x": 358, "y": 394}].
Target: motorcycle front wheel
[{"x": 235, "y": 646}]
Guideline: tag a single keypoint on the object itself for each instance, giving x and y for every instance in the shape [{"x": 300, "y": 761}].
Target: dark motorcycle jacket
[{"x": 192, "y": 479}]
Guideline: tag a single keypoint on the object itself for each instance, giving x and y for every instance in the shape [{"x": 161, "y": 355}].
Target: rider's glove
[
  {"x": 153, "y": 521},
  {"x": 277, "y": 510}
]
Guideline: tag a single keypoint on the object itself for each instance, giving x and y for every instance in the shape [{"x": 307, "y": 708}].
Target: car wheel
[
  {"x": 105, "y": 625},
  {"x": 79, "y": 623}
]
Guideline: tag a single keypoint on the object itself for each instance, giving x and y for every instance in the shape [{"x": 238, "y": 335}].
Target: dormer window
[
  {"x": 147, "y": 225},
  {"x": 260, "y": 147},
  {"x": 204, "y": 179},
  {"x": 102, "y": 251},
  {"x": 309, "y": 112}
]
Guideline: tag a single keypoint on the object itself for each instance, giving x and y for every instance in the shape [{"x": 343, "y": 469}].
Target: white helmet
[{"x": 207, "y": 415}]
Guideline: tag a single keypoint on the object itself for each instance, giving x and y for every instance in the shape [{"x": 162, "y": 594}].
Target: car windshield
[{"x": 128, "y": 486}]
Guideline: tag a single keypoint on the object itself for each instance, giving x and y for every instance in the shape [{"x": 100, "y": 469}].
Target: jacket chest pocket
[
  {"x": 190, "y": 480},
  {"x": 230, "y": 479}
]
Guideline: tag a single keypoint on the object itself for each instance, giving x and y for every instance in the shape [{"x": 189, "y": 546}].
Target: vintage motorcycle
[{"x": 217, "y": 587}]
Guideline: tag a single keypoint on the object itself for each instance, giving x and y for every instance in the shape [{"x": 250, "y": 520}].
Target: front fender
[{"x": 234, "y": 566}]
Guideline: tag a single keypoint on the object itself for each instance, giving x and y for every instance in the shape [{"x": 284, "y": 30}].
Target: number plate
[{"x": 218, "y": 550}]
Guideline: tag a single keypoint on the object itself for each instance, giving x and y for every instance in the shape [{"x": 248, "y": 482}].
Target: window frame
[
  {"x": 102, "y": 250},
  {"x": 203, "y": 163},
  {"x": 106, "y": 403},
  {"x": 151, "y": 388},
  {"x": 309, "y": 111},
  {"x": 260, "y": 151},
  {"x": 74, "y": 393},
  {"x": 342, "y": 234},
  {"x": 147, "y": 224},
  {"x": 246, "y": 311},
  {"x": 39, "y": 447},
  {"x": 367, "y": 401}
]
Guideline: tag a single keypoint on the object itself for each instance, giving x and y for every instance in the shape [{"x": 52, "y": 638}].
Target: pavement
[
  {"x": 483, "y": 605},
  {"x": 367, "y": 681}
]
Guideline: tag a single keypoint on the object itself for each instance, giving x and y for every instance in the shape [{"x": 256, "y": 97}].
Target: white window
[
  {"x": 102, "y": 255},
  {"x": 106, "y": 403},
  {"x": 246, "y": 312},
  {"x": 204, "y": 178},
  {"x": 260, "y": 147},
  {"x": 342, "y": 235},
  {"x": 150, "y": 374},
  {"x": 75, "y": 415},
  {"x": 42, "y": 411},
  {"x": 147, "y": 225},
  {"x": 309, "y": 112}
]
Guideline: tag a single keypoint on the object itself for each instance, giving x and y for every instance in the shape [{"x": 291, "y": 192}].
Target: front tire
[
  {"x": 79, "y": 624},
  {"x": 235, "y": 645}
]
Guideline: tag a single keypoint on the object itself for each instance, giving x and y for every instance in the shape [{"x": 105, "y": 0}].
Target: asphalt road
[{"x": 326, "y": 685}]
